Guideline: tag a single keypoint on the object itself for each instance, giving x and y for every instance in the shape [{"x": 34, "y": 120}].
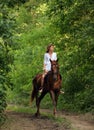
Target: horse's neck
[{"x": 51, "y": 74}]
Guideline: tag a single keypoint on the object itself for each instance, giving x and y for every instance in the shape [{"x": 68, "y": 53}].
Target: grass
[{"x": 20, "y": 109}]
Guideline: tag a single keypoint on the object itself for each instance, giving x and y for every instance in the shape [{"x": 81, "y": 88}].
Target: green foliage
[
  {"x": 3, "y": 71},
  {"x": 7, "y": 24},
  {"x": 75, "y": 24},
  {"x": 12, "y": 3},
  {"x": 32, "y": 36},
  {"x": 67, "y": 24}
]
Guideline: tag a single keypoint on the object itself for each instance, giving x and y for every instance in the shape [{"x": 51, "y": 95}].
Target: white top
[{"x": 47, "y": 58}]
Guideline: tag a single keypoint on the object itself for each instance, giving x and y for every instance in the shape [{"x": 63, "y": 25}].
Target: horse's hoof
[
  {"x": 55, "y": 114},
  {"x": 37, "y": 114}
]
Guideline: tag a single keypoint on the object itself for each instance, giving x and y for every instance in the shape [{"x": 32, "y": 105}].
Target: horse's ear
[{"x": 57, "y": 60}]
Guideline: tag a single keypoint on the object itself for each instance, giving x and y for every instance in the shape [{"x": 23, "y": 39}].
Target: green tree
[
  {"x": 69, "y": 25},
  {"x": 7, "y": 25},
  {"x": 74, "y": 20}
]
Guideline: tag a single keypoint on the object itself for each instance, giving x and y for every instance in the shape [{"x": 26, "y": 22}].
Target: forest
[{"x": 26, "y": 28}]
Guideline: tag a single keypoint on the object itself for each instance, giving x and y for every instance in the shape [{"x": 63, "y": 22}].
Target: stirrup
[{"x": 61, "y": 92}]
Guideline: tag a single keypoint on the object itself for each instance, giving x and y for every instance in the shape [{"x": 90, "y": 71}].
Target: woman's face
[{"x": 51, "y": 48}]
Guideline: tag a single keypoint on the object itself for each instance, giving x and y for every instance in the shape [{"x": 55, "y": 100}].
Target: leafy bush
[{"x": 69, "y": 25}]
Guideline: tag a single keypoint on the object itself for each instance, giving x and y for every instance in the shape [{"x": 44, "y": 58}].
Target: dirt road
[
  {"x": 20, "y": 121},
  {"x": 79, "y": 122}
]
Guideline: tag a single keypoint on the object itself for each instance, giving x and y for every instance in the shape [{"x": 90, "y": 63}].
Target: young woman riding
[{"x": 49, "y": 55}]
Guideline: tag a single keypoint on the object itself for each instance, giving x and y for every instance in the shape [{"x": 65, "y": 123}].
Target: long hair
[{"x": 48, "y": 47}]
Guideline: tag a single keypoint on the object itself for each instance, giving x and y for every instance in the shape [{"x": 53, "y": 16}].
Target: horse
[{"x": 52, "y": 84}]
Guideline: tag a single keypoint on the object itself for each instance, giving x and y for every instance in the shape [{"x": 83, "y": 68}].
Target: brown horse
[{"x": 52, "y": 84}]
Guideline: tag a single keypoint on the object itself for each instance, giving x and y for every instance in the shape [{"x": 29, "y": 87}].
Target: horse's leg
[
  {"x": 36, "y": 98},
  {"x": 56, "y": 98},
  {"x": 54, "y": 101},
  {"x": 38, "y": 102}
]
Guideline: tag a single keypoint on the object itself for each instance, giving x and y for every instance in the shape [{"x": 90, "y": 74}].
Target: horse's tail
[{"x": 33, "y": 94}]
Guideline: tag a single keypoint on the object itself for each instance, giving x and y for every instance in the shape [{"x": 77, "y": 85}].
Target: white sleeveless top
[{"x": 47, "y": 60}]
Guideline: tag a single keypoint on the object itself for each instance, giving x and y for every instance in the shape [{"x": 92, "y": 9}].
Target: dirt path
[
  {"x": 20, "y": 121},
  {"x": 78, "y": 123}
]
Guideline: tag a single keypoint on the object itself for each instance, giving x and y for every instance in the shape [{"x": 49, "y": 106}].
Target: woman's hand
[{"x": 44, "y": 67}]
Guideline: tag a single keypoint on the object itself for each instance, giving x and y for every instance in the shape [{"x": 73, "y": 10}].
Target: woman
[{"x": 50, "y": 54}]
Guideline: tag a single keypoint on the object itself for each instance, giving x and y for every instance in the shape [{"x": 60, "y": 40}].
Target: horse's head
[{"x": 55, "y": 68}]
